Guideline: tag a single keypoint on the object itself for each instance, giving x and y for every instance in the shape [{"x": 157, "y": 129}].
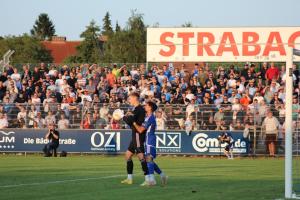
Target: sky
[{"x": 70, "y": 17}]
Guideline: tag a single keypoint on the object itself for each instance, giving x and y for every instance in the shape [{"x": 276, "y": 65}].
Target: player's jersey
[
  {"x": 231, "y": 140},
  {"x": 138, "y": 117},
  {"x": 150, "y": 126}
]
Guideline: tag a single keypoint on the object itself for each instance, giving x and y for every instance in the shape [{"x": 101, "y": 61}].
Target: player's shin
[
  {"x": 145, "y": 169},
  {"x": 129, "y": 169},
  {"x": 150, "y": 165}
]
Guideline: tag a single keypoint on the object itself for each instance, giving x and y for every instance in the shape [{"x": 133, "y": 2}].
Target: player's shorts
[
  {"x": 150, "y": 151},
  {"x": 133, "y": 148},
  {"x": 229, "y": 146}
]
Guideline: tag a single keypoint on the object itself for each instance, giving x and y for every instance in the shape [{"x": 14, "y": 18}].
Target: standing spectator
[
  {"x": 86, "y": 123},
  {"x": 296, "y": 109},
  {"x": 272, "y": 73},
  {"x": 32, "y": 114},
  {"x": 50, "y": 118},
  {"x": 39, "y": 121},
  {"x": 22, "y": 117},
  {"x": 3, "y": 121},
  {"x": 160, "y": 120},
  {"x": 63, "y": 123},
  {"x": 271, "y": 126}
]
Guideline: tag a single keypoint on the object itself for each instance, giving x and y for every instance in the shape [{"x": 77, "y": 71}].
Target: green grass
[{"x": 189, "y": 178}]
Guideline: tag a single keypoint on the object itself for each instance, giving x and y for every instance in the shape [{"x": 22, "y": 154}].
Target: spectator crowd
[{"x": 202, "y": 98}]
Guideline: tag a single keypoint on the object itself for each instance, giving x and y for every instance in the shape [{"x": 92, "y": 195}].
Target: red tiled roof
[{"x": 61, "y": 49}]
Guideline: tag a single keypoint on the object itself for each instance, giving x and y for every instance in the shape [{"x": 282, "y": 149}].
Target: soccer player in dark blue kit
[
  {"x": 228, "y": 139},
  {"x": 150, "y": 143}
]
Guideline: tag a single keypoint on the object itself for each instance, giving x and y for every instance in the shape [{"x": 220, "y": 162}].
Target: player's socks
[
  {"x": 129, "y": 167},
  {"x": 129, "y": 173}
]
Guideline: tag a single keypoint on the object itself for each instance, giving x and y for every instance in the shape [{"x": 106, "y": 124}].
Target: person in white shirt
[
  {"x": 63, "y": 123},
  {"x": 40, "y": 122},
  {"x": 22, "y": 115},
  {"x": 271, "y": 127},
  {"x": 50, "y": 118},
  {"x": 16, "y": 76},
  {"x": 3, "y": 121},
  {"x": 86, "y": 96},
  {"x": 231, "y": 82},
  {"x": 160, "y": 121}
]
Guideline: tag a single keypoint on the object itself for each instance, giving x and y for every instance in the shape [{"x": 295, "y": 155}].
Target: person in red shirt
[{"x": 272, "y": 73}]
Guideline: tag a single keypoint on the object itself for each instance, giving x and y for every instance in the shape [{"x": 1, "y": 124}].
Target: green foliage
[
  {"x": 90, "y": 49},
  {"x": 127, "y": 45},
  {"x": 107, "y": 28},
  {"x": 118, "y": 27},
  {"x": 43, "y": 29},
  {"x": 187, "y": 24},
  {"x": 27, "y": 49}
]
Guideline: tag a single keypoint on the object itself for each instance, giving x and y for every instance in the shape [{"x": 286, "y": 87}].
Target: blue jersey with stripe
[{"x": 150, "y": 126}]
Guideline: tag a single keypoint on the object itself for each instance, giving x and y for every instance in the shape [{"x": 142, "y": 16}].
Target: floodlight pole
[{"x": 288, "y": 123}]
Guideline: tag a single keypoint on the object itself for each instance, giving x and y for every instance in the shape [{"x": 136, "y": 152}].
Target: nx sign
[{"x": 168, "y": 142}]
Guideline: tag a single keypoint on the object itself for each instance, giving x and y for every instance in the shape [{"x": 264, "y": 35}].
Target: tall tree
[
  {"x": 90, "y": 49},
  {"x": 43, "y": 28},
  {"x": 117, "y": 28},
  {"x": 128, "y": 44},
  {"x": 27, "y": 49},
  {"x": 107, "y": 27}
]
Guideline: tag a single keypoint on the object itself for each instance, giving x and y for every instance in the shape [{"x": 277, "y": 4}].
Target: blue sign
[{"x": 117, "y": 141}]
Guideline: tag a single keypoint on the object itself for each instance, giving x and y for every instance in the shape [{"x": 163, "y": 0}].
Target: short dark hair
[{"x": 152, "y": 105}]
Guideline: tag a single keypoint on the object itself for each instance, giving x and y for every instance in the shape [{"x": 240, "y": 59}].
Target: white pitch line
[{"x": 61, "y": 181}]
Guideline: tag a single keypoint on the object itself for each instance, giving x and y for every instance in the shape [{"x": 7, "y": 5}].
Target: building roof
[{"x": 60, "y": 48}]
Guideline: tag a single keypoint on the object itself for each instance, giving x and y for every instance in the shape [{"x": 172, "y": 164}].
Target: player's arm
[
  {"x": 55, "y": 135},
  {"x": 140, "y": 128}
]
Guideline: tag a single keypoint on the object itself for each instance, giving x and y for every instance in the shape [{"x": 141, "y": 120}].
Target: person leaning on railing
[{"x": 270, "y": 126}]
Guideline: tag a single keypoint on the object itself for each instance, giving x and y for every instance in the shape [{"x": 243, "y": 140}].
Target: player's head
[
  {"x": 133, "y": 98},
  {"x": 223, "y": 134},
  {"x": 150, "y": 107}
]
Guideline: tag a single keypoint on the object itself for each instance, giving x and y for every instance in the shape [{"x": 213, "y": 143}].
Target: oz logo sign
[{"x": 107, "y": 141}]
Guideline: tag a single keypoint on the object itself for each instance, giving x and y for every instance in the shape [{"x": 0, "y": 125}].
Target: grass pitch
[{"x": 98, "y": 177}]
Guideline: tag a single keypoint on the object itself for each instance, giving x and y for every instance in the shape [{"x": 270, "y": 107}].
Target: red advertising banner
[{"x": 243, "y": 44}]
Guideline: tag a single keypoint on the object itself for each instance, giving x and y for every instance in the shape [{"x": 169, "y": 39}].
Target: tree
[
  {"x": 43, "y": 28},
  {"x": 187, "y": 24},
  {"x": 27, "y": 49},
  {"x": 90, "y": 49},
  {"x": 117, "y": 28},
  {"x": 128, "y": 44},
  {"x": 107, "y": 28}
]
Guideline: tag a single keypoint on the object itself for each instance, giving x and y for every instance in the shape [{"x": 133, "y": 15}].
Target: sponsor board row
[{"x": 104, "y": 141}]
